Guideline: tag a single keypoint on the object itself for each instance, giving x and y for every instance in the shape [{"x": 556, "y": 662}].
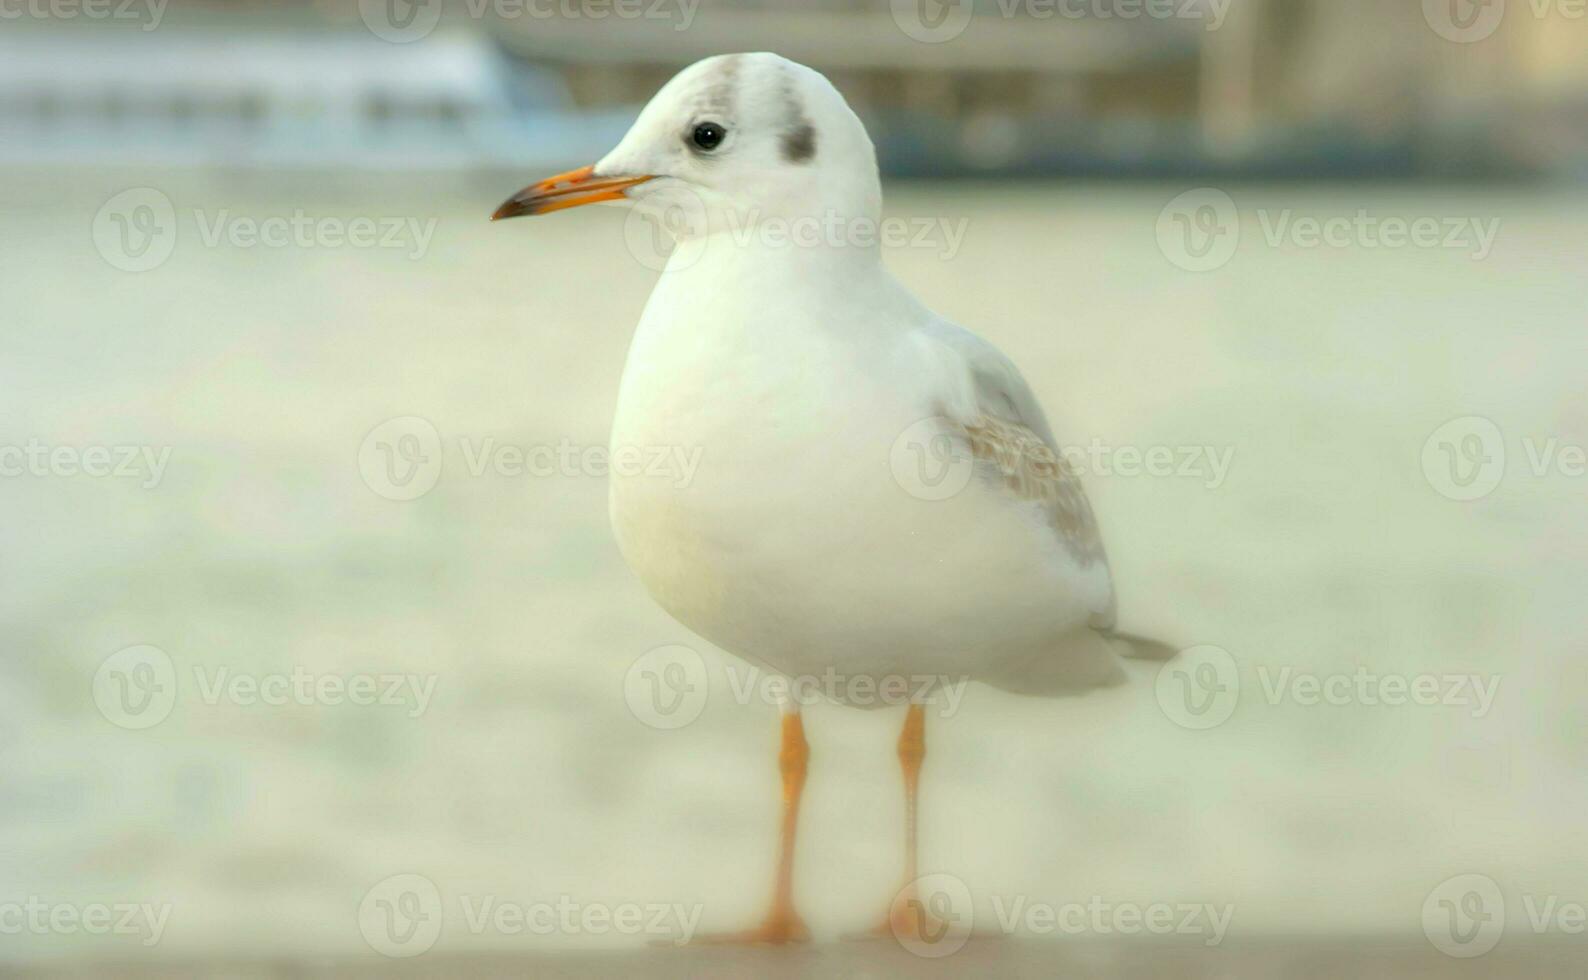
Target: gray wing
[{"x": 1005, "y": 427}]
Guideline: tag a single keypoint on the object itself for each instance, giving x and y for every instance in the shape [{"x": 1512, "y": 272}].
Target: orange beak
[{"x": 568, "y": 190}]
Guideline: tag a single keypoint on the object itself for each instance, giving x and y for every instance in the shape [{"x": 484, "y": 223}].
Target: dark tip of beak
[
  {"x": 569, "y": 190},
  {"x": 514, "y": 207}
]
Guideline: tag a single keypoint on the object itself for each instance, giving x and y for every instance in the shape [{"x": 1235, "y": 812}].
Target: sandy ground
[
  {"x": 526, "y": 777},
  {"x": 1297, "y": 959}
]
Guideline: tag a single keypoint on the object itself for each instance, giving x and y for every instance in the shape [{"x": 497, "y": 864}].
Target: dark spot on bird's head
[
  {"x": 799, "y": 143},
  {"x": 719, "y": 96}
]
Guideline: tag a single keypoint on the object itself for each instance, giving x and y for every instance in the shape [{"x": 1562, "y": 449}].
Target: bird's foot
[
  {"x": 908, "y": 920},
  {"x": 779, "y": 929}
]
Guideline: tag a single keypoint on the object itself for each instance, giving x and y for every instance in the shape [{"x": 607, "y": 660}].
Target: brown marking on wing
[{"x": 1033, "y": 471}]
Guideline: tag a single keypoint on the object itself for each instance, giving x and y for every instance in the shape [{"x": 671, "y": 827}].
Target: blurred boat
[
  {"x": 1222, "y": 88},
  {"x": 286, "y": 99}
]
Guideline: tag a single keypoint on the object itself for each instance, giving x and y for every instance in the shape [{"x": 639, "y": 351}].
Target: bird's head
[{"x": 734, "y": 138}]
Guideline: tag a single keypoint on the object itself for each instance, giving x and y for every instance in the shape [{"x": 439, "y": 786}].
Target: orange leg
[
  {"x": 907, "y": 916},
  {"x": 912, "y": 750},
  {"x": 782, "y": 924}
]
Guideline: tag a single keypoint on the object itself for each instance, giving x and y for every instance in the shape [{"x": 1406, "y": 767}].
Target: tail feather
[
  {"x": 1134, "y": 647},
  {"x": 1083, "y": 661}
]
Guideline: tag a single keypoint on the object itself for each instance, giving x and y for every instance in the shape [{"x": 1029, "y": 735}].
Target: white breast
[{"x": 792, "y": 543}]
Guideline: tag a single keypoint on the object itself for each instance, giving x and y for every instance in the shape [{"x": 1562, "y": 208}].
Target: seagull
[{"x": 817, "y": 389}]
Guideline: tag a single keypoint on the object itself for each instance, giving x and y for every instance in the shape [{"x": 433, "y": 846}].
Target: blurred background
[{"x": 296, "y": 680}]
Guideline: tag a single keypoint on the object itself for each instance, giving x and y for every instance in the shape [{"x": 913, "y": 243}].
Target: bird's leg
[
  {"x": 912, "y": 750},
  {"x": 907, "y": 916},
  {"x": 791, "y": 762},
  {"x": 782, "y": 924}
]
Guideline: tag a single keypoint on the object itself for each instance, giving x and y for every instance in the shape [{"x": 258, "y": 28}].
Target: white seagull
[{"x": 778, "y": 344}]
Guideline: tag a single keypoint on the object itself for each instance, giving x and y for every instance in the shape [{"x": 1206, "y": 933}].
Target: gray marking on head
[
  {"x": 721, "y": 94},
  {"x": 799, "y": 143},
  {"x": 798, "y": 140}
]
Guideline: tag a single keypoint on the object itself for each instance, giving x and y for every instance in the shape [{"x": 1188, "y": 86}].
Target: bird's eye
[{"x": 708, "y": 135}]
